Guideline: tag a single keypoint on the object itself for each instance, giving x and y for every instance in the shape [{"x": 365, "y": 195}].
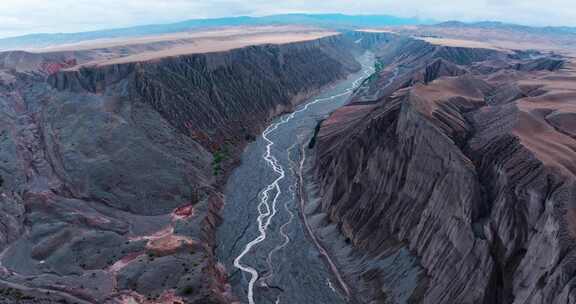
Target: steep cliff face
[
  {"x": 109, "y": 174},
  {"x": 232, "y": 96},
  {"x": 224, "y": 96},
  {"x": 454, "y": 189},
  {"x": 101, "y": 198}
]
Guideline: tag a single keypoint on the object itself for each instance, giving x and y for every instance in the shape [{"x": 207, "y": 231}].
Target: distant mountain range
[
  {"x": 321, "y": 20},
  {"x": 334, "y": 21},
  {"x": 509, "y": 26}
]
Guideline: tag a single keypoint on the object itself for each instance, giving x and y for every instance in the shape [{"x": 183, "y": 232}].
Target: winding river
[{"x": 264, "y": 244}]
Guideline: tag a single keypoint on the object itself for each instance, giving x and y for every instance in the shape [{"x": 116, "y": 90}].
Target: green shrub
[
  {"x": 219, "y": 157},
  {"x": 188, "y": 290}
]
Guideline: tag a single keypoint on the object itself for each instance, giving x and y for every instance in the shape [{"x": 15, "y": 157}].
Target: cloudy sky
[{"x": 19, "y": 17}]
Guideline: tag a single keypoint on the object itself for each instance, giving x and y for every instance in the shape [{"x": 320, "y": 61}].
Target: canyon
[
  {"x": 288, "y": 164},
  {"x": 112, "y": 172}
]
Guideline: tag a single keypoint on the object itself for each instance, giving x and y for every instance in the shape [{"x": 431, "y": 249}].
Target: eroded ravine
[{"x": 272, "y": 260}]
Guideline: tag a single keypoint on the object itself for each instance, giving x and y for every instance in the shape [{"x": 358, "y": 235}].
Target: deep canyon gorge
[{"x": 349, "y": 166}]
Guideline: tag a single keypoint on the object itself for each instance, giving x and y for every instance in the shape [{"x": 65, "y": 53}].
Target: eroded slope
[
  {"x": 453, "y": 183},
  {"x": 110, "y": 173}
]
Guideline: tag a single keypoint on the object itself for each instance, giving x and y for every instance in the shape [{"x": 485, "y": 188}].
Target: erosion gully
[{"x": 263, "y": 242}]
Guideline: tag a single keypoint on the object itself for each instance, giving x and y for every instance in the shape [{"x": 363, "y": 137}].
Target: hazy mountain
[
  {"x": 509, "y": 26},
  {"x": 322, "y": 20}
]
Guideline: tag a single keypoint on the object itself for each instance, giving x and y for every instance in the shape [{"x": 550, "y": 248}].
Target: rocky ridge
[
  {"x": 435, "y": 187},
  {"x": 110, "y": 174}
]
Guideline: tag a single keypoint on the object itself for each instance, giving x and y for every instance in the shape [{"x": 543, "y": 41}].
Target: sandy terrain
[
  {"x": 547, "y": 124},
  {"x": 469, "y": 42},
  {"x": 462, "y": 43},
  {"x": 218, "y": 44},
  {"x": 119, "y": 50},
  {"x": 501, "y": 38},
  {"x": 375, "y": 30},
  {"x": 183, "y": 36}
]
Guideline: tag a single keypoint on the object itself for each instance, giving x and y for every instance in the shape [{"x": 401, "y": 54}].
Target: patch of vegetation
[
  {"x": 151, "y": 256},
  {"x": 218, "y": 158},
  {"x": 314, "y": 137},
  {"x": 188, "y": 290},
  {"x": 14, "y": 294},
  {"x": 247, "y": 135},
  {"x": 378, "y": 67}
]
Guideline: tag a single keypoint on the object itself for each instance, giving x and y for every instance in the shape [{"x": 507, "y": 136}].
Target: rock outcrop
[
  {"x": 226, "y": 95},
  {"x": 110, "y": 174},
  {"x": 453, "y": 184}
]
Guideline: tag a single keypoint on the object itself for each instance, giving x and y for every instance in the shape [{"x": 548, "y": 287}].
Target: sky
[{"x": 18, "y": 17}]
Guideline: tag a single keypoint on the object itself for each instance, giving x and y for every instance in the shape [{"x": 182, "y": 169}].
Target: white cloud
[{"x": 33, "y": 16}]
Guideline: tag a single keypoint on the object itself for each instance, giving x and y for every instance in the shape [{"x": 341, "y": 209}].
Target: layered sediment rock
[
  {"x": 453, "y": 187},
  {"x": 227, "y": 95},
  {"x": 109, "y": 174}
]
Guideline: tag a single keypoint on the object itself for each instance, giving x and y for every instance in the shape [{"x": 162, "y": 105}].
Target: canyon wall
[
  {"x": 447, "y": 181},
  {"x": 226, "y": 95},
  {"x": 110, "y": 174}
]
